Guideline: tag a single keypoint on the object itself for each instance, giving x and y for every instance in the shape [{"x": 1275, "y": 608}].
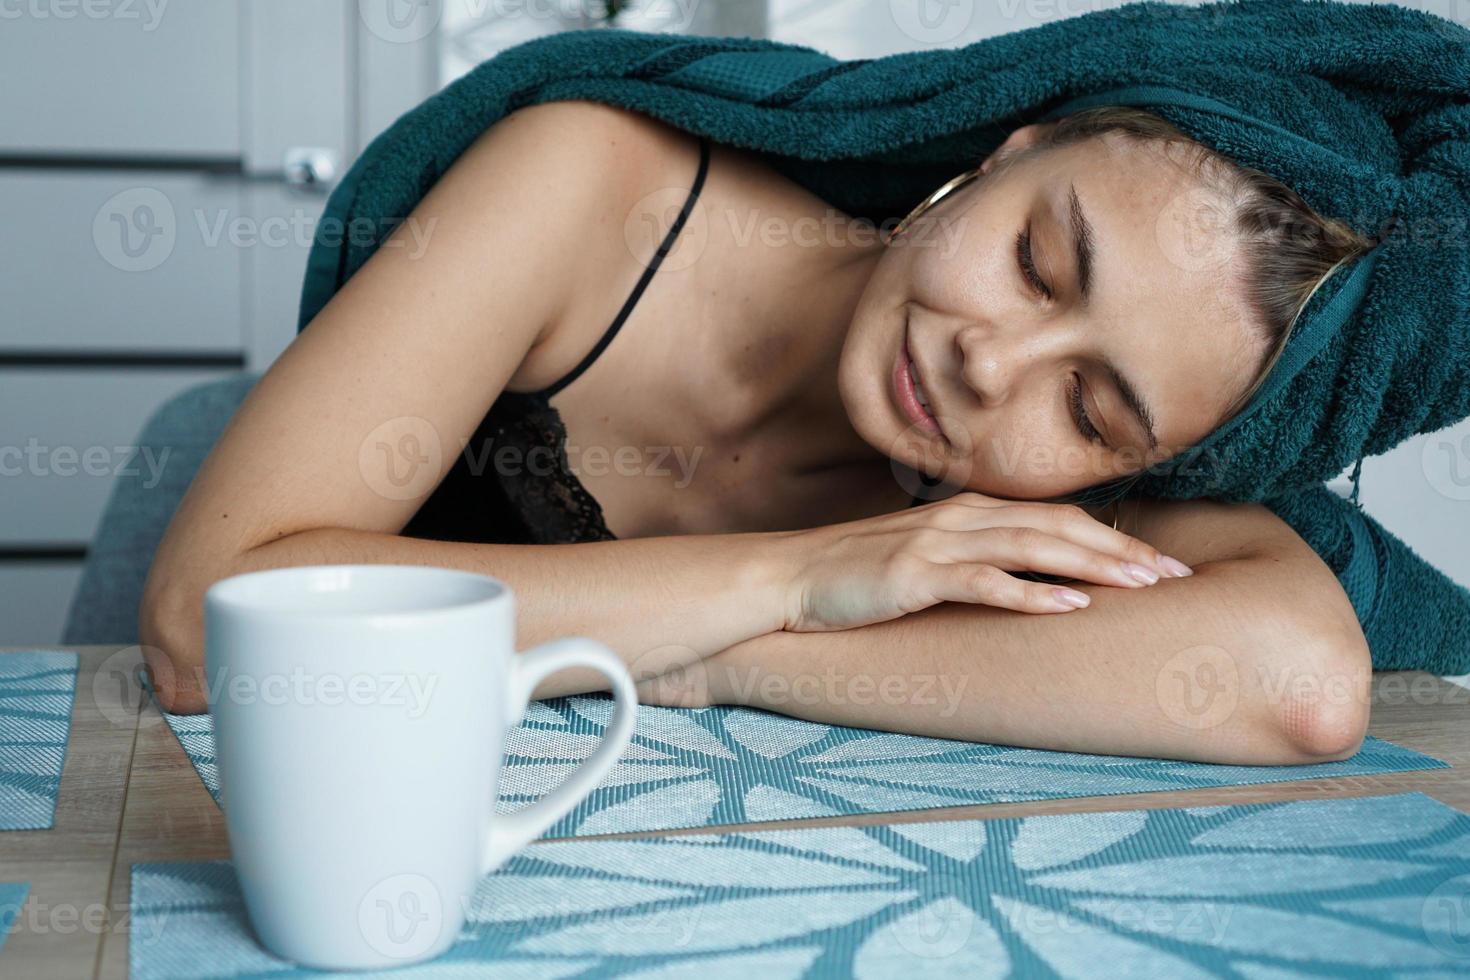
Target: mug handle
[{"x": 509, "y": 832}]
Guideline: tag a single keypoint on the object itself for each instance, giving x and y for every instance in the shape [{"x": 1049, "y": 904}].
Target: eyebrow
[
  {"x": 1083, "y": 248},
  {"x": 1082, "y": 243}
]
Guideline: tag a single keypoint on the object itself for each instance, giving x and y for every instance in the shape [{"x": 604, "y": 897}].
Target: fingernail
[
  {"x": 1071, "y": 598},
  {"x": 1145, "y": 575},
  {"x": 1174, "y": 568}
]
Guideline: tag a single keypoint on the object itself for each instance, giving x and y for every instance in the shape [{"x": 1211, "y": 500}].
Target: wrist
[{"x": 767, "y": 573}]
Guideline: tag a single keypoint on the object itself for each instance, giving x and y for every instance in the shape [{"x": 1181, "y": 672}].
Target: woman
[{"x": 808, "y": 379}]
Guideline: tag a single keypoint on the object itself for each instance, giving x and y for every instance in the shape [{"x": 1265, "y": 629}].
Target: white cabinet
[
  {"x": 152, "y": 232},
  {"x": 103, "y": 260},
  {"x": 121, "y": 79},
  {"x": 68, "y": 433}
]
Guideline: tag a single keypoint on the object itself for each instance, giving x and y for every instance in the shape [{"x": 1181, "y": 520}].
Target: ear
[{"x": 1017, "y": 141}]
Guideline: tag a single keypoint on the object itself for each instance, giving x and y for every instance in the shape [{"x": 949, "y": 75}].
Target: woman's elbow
[
  {"x": 1315, "y": 687},
  {"x": 171, "y": 634}
]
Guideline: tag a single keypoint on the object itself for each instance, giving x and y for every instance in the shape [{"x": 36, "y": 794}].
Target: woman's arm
[
  {"x": 1256, "y": 659},
  {"x": 355, "y": 424}
]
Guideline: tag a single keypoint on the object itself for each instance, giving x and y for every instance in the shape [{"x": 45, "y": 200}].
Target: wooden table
[{"x": 129, "y": 795}]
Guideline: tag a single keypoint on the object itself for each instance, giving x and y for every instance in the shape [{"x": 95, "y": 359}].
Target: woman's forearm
[
  {"x": 658, "y": 602},
  {"x": 1245, "y": 662}
]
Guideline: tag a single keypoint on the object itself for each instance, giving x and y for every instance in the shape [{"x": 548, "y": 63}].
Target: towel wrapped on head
[{"x": 1362, "y": 109}]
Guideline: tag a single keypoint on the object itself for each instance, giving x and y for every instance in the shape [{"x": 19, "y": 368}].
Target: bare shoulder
[
  {"x": 607, "y": 139},
  {"x": 597, "y": 166},
  {"x": 569, "y": 157}
]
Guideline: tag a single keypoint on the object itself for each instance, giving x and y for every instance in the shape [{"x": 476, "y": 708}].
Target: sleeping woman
[{"x": 780, "y": 457}]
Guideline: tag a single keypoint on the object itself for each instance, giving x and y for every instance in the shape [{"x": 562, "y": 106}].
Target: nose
[{"x": 990, "y": 362}]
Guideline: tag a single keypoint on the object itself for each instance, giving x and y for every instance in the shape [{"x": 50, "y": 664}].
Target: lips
[{"x": 909, "y": 392}]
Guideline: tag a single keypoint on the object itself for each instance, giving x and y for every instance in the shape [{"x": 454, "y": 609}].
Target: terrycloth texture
[
  {"x": 37, "y": 688},
  {"x": 1364, "y": 109},
  {"x": 712, "y": 766},
  {"x": 1322, "y": 888}
]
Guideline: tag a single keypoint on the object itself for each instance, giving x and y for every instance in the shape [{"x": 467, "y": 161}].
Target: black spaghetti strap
[{"x": 632, "y": 300}]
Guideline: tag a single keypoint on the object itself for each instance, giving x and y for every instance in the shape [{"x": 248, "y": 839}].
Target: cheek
[
  {"x": 1020, "y": 454},
  {"x": 960, "y": 266}
]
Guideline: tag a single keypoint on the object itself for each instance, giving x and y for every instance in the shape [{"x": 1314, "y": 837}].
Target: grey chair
[{"x": 104, "y": 608}]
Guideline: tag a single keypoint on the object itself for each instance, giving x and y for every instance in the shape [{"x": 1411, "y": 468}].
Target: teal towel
[{"x": 1364, "y": 109}]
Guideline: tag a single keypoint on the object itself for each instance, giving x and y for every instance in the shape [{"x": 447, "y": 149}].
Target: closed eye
[
  {"x": 1079, "y": 412},
  {"x": 1028, "y": 265}
]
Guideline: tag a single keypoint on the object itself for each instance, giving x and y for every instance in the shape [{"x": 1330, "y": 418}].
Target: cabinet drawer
[
  {"x": 121, "y": 261},
  {"x": 34, "y": 599},
  {"x": 121, "y": 78},
  {"x": 67, "y": 434}
]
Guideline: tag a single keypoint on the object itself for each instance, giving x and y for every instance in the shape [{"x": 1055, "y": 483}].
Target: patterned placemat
[
  {"x": 712, "y": 766},
  {"x": 12, "y": 900},
  {"x": 1335, "y": 888},
  {"x": 36, "y": 692}
]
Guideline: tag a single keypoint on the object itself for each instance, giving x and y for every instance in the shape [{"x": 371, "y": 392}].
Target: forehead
[{"x": 1168, "y": 276}]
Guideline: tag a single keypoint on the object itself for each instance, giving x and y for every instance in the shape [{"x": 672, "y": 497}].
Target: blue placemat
[
  {"x": 36, "y": 691},
  {"x": 1336, "y": 888},
  {"x": 710, "y": 766},
  {"x": 12, "y": 898}
]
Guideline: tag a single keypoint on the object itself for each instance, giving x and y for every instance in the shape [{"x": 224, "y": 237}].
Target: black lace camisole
[{"x": 531, "y": 496}]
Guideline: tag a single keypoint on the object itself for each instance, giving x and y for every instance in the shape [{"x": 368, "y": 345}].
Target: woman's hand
[{"x": 961, "y": 549}]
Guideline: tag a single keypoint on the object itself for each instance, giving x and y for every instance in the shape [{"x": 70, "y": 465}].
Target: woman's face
[{"x": 1041, "y": 381}]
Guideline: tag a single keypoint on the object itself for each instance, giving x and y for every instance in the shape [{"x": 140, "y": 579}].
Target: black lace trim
[
  {"x": 552, "y": 502},
  {"x": 513, "y": 483}
]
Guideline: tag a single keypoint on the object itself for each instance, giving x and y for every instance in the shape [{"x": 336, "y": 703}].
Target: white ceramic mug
[{"x": 360, "y": 715}]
